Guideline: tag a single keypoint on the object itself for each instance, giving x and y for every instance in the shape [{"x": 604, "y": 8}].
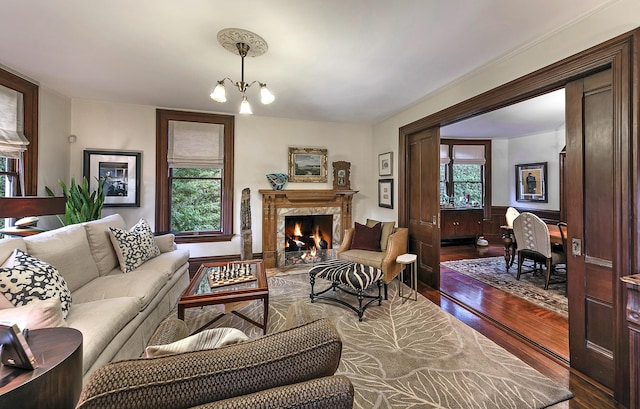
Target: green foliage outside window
[
  {"x": 467, "y": 180},
  {"x": 196, "y": 199}
]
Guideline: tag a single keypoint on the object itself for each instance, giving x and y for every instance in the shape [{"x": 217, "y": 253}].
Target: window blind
[
  {"x": 444, "y": 155},
  {"x": 195, "y": 145},
  {"x": 468, "y": 154},
  {"x": 12, "y": 139}
]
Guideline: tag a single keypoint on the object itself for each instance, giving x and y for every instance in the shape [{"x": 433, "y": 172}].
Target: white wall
[
  {"x": 544, "y": 147},
  {"x": 261, "y": 147},
  {"x": 618, "y": 18}
]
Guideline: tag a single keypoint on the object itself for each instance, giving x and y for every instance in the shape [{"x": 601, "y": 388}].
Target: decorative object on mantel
[
  {"x": 278, "y": 180},
  {"x": 307, "y": 165},
  {"x": 246, "y": 250},
  {"x": 81, "y": 204},
  {"x": 385, "y": 164},
  {"x": 341, "y": 175},
  {"x": 244, "y": 43}
]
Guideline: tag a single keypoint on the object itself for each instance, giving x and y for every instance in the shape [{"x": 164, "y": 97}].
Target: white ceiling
[{"x": 328, "y": 60}]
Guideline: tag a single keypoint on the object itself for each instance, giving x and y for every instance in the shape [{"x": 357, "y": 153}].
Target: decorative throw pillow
[
  {"x": 166, "y": 243},
  {"x": 36, "y": 314},
  {"x": 28, "y": 279},
  {"x": 135, "y": 246},
  {"x": 207, "y": 339},
  {"x": 366, "y": 238},
  {"x": 387, "y": 229}
]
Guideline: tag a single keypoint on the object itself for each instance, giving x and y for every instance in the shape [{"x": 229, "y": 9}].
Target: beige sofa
[
  {"x": 117, "y": 313},
  {"x": 393, "y": 242}
]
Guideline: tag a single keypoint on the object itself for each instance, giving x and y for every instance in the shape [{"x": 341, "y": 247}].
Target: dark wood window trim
[
  {"x": 29, "y": 91},
  {"x": 163, "y": 192}
]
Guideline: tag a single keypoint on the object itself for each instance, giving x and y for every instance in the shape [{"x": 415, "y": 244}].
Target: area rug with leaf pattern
[
  {"x": 406, "y": 354},
  {"x": 493, "y": 271}
]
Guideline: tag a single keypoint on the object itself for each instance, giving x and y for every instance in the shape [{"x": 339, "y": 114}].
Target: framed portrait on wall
[
  {"x": 121, "y": 172},
  {"x": 531, "y": 182}
]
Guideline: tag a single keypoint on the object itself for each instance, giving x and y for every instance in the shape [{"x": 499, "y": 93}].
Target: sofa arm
[
  {"x": 184, "y": 380},
  {"x": 396, "y": 246},
  {"x": 346, "y": 240},
  {"x": 335, "y": 392}
]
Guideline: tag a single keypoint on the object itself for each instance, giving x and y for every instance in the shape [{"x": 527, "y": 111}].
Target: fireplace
[
  {"x": 332, "y": 207},
  {"x": 307, "y": 233}
]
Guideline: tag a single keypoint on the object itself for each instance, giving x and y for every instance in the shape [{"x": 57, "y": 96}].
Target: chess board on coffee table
[{"x": 226, "y": 283}]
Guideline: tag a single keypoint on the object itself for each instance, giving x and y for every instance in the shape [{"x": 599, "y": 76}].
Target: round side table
[
  {"x": 56, "y": 382},
  {"x": 408, "y": 259}
]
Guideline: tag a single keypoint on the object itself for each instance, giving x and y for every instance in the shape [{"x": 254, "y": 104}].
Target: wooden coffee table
[{"x": 225, "y": 283}]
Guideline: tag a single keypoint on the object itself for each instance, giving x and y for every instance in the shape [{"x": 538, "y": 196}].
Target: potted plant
[{"x": 82, "y": 205}]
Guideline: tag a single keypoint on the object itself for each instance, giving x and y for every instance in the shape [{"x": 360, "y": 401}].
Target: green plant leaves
[{"x": 82, "y": 205}]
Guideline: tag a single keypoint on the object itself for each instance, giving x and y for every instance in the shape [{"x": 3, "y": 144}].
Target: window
[
  {"x": 462, "y": 171},
  {"x": 194, "y": 185}
]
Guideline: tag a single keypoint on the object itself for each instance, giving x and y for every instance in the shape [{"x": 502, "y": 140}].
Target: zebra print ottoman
[{"x": 348, "y": 277}]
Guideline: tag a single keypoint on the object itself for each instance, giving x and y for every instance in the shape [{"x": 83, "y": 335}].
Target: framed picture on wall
[
  {"x": 531, "y": 182},
  {"x": 307, "y": 165},
  {"x": 385, "y": 193},
  {"x": 385, "y": 164},
  {"x": 121, "y": 172}
]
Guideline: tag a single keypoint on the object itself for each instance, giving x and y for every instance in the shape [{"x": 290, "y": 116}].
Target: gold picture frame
[{"x": 307, "y": 165}]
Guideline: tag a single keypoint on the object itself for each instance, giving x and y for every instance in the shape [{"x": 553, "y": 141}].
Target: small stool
[
  {"x": 347, "y": 274},
  {"x": 406, "y": 259}
]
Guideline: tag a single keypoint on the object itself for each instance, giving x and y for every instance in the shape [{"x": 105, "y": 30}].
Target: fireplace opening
[{"x": 307, "y": 233}]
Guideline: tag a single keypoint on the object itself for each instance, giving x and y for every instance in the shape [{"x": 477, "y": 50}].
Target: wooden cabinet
[{"x": 460, "y": 223}]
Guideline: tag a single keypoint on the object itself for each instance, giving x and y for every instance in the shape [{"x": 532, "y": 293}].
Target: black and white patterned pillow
[
  {"x": 135, "y": 246},
  {"x": 27, "y": 278}
]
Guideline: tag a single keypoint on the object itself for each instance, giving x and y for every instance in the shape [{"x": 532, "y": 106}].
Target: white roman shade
[
  {"x": 12, "y": 139},
  {"x": 195, "y": 145},
  {"x": 444, "y": 155},
  {"x": 468, "y": 154}
]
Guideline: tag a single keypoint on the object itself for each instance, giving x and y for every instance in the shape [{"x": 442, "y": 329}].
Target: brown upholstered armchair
[
  {"x": 291, "y": 368},
  {"x": 393, "y": 242}
]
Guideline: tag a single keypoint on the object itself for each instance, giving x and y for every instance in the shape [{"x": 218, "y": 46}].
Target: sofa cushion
[
  {"x": 165, "y": 263},
  {"x": 135, "y": 246},
  {"x": 26, "y": 279},
  {"x": 387, "y": 229},
  {"x": 141, "y": 285},
  {"x": 7, "y": 247},
  {"x": 366, "y": 238},
  {"x": 67, "y": 249},
  {"x": 37, "y": 314},
  {"x": 207, "y": 339},
  {"x": 369, "y": 258},
  {"x": 166, "y": 243},
  {"x": 100, "y": 242},
  {"x": 100, "y": 321}
]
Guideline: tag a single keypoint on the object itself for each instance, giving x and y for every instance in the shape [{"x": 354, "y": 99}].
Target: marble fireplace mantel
[{"x": 276, "y": 204}]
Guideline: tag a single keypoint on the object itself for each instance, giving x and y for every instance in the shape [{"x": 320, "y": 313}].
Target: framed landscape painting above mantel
[
  {"x": 307, "y": 165},
  {"x": 121, "y": 172},
  {"x": 531, "y": 182}
]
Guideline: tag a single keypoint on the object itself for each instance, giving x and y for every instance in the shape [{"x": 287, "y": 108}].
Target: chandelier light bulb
[
  {"x": 219, "y": 94},
  {"x": 266, "y": 97},
  {"x": 245, "y": 108}
]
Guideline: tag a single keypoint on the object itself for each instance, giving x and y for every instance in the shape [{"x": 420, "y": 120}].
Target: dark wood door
[
  {"x": 422, "y": 187},
  {"x": 595, "y": 183}
]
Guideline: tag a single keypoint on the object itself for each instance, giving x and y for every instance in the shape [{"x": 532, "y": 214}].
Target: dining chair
[
  {"x": 511, "y": 215},
  {"x": 532, "y": 236}
]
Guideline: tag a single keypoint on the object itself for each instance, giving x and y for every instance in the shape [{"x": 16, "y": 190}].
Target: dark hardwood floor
[{"x": 535, "y": 335}]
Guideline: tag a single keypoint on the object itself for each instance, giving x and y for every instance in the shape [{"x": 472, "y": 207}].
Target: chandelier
[{"x": 245, "y": 44}]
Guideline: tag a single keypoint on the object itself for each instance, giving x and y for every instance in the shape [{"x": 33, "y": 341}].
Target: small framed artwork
[
  {"x": 531, "y": 182},
  {"x": 385, "y": 193},
  {"x": 385, "y": 164},
  {"x": 120, "y": 171},
  {"x": 307, "y": 165},
  {"x": 341, "y": 175}
]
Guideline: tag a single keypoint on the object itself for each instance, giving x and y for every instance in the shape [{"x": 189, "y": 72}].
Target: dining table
[{"x": 510, "y": 245}]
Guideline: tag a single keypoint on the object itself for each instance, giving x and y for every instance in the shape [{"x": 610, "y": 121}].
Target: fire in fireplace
[{"x": 311, "y": 232}]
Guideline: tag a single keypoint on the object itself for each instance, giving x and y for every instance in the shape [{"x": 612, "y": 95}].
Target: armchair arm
[
  {"x": 396, "y": 246},
  {"x": 346, "y": 240},
  {"x": 334, "y": 392},
  {"x": 184, "y": 380}
]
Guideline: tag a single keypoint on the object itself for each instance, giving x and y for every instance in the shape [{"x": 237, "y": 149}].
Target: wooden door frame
[{"x": 624, "y": 51}]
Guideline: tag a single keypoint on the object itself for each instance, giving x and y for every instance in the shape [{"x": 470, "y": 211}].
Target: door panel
[
  {"x": 424, "y": 204},
  {"x": 591, "y": 218}
]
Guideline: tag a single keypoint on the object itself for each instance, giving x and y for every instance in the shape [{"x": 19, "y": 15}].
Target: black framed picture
[
  {"x": 531, "y": 182},
  {"x": 121, "y": 172},
  {"x": 385, "y": 193}
]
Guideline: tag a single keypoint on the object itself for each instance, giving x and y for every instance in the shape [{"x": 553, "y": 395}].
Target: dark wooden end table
[
  {"x": 205, "y": 289},
  {"x": 56, "y": 382}
]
